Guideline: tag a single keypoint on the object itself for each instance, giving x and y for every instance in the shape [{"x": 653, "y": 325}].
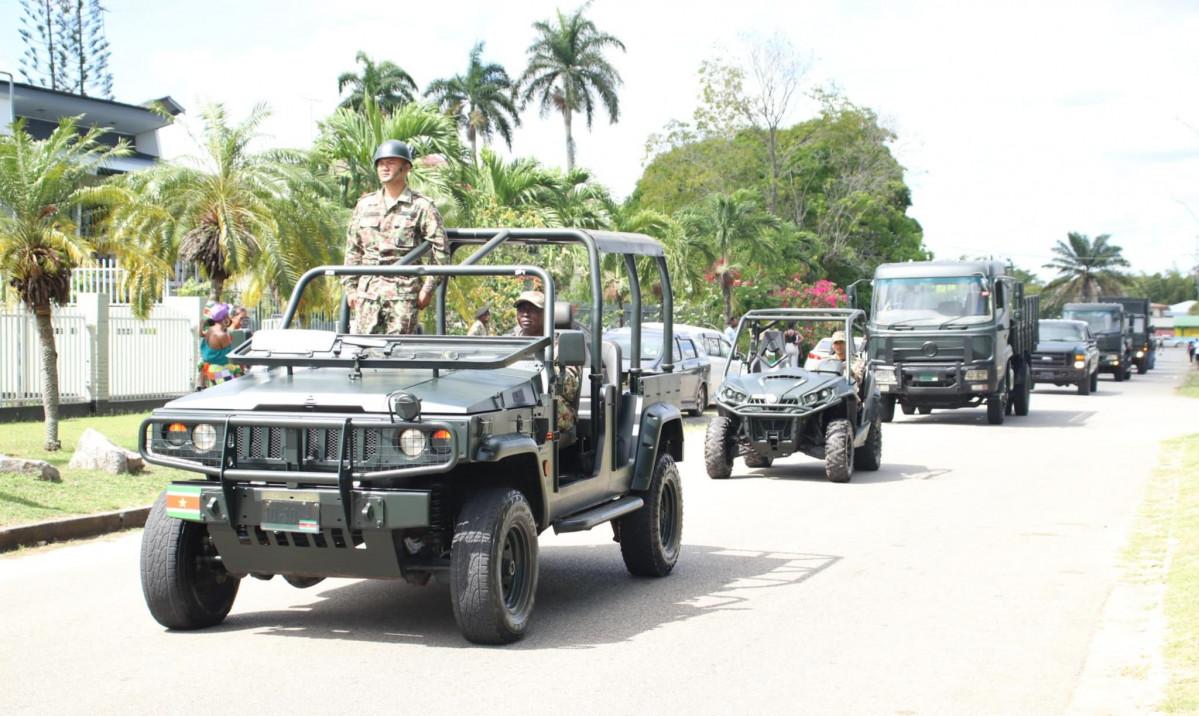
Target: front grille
[
  {"x": 258, "y": 443},
  {"x": 761, "y": 429},
  {"x": 1049, "y": 360}
]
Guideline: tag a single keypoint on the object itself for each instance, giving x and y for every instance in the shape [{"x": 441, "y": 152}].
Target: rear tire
[
  {"x": 838, "y": 451},
  {"x": 755, "y": 459},
  {"x": 870, "y": 456},
  {"x": 184, "y": 585},
  {"x": 719, "y": 448},
  {"x": 493, "y": 566},
  {"x": 652, "y": 537},
  {"x": 701, "y": 402},
  {"x": 886, "y": 408}
]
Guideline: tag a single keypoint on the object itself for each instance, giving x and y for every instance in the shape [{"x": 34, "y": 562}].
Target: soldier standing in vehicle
[
  {"x": 482, "y": 322},
  {"x": 386, "y": 225}
]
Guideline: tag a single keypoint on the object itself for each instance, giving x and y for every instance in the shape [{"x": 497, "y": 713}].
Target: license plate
[
  {"x": 927, "y": 377},
  {"x": 291, "y": 515}
]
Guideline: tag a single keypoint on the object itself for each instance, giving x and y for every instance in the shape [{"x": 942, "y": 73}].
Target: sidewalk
[{"x": 71, "y": 528}]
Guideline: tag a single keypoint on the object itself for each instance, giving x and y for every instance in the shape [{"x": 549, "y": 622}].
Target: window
[{"x": 688, "y": 348}]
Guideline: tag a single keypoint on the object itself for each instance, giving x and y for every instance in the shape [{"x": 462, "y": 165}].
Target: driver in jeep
[{"x": 530, "y": 321}]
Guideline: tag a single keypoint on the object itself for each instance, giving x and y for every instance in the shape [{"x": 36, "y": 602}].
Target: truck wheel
[
  {"x": 755, "y": 459},
  {"x": 300, "y": 582},
  {"x": 1142, "y": 367},
  {"x": 184, "y": 583},
  {"x": 886, "y": 408},
  {"x": 1021, "y": 395},
  {"x": 652, "y": 537},
  {"x": 1095, "y": 381},
  {"x": 838, "y": 451},
  {"x": 1119, "y": 375},
  {"x": 907, "y": 408},
  {"x": 995, "y": 409},
  {"x": 870, "y": 457},
  {"x": 1084, "y": 386},
  {"x": 719, "y": 448},
  {"x": 701, "y": 402},
  {"x": 924, "y": 410},
  {"x": 493, "y": 566}
]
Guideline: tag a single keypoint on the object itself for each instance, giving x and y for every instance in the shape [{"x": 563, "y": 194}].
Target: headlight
[
  {"x": 884, "y": 375},
  {"x": 1140, "y": 354},
  {"x": 204, "y": 437},
  {"x": 1080, "y": 364},
  {"x": 734, "y": 396},
  {"x": 412, "y": 442},
  {"x": 176, "y": 434},
  {"x": 976, "y": 374}
]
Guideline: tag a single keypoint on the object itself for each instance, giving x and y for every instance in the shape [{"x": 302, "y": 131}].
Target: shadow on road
[
  {"x": 585, "y": 597},
  {"x": 807, "y": 470},
  {"x": 972, "y": 416}
]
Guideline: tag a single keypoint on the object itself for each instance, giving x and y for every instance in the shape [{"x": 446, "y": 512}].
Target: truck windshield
[
  {"x": 1099, "y": 321},
  {"x": 927, "y": 301},
  {"x": 1060, "y": 332}
]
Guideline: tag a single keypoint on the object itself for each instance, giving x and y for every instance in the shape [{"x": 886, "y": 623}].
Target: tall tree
[
  {"x": 480, "y": 101},
  {"x": 1085, "y": 269},
  {"x": 567, "y": 71},
  {"x": 65, "y": 46},
  {"x": 734, "y": 228},
  {"x": 43, "y": 183},
  {"x": 385, "y": 83},
  {"x": 235, "y": 213}
]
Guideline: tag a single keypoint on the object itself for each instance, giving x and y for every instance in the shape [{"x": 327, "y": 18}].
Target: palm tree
[
  {"x": 235, "y": 213},
  {"x": 521, "y": 191},
  {"x": 734, "y": 229},
  {"x": 42, "y": 186},
  {"x": 388, "y": 85},
  {"x": 480, "y": 101},
  {"x": 1085, "y": 268},
  {"x": 567, "y": 70},
  {"x": 347, "y": 142}
]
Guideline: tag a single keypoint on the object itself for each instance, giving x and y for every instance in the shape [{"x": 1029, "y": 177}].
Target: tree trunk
[
  {"x": 45, "y": 333},
  {"x": 727, "y": 293},
  {"x": 570, "y": 142},
  {"x": 218, "y": 288}
]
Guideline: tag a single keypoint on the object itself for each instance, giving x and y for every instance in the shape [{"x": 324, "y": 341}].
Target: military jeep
[
  {"x": 418, "y": 456},
  {"x": 770, "y": 407}
]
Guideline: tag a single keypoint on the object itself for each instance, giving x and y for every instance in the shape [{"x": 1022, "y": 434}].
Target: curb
[{"x": 71, "y": 528}]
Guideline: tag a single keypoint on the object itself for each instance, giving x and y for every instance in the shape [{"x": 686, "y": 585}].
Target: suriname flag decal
[{"x": 183, "y": 502}]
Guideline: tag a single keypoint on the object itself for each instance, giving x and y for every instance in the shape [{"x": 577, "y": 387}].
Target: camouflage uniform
[
  {"x": 568, "y": 406},
  {"x": 478, "y": 328},
  {"x": 379, "y": 235}
]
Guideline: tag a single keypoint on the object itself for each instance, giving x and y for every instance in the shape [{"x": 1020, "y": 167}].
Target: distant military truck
[
  {"x": 1109, "y": 324},
  {"x": 1138, "y": 315},
  {"x": 951, "y": 334}
]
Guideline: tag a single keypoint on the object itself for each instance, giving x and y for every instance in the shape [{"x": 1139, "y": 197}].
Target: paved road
[{"x": 966, "y": 576}]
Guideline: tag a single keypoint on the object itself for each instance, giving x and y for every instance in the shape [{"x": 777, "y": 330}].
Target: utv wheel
[
  {"x": 183, "y": 582},
  {"x": 907, "y": 408},
  {"x": 701, "y": 401},
  {"x": 1095, "y": 381},
  {"x": 838, "y": 451},
  {"x": 493, "y": 566},
  {"x": 886, "y": 408},
  {"x": 1020, "y": 396},
  {"x": 651, "y": 537},
  {"x": 924, "y": 410},
  {"x": 756, "y": 459},
  {"x": 719, "y": 448},
  {"x": 870, "y": 456}
]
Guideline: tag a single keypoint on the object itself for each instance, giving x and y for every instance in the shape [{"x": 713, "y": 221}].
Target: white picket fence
[{"x": 150, "y": 359}]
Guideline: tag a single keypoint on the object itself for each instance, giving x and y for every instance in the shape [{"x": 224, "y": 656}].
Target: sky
[{"x": 1016, "y": 122}]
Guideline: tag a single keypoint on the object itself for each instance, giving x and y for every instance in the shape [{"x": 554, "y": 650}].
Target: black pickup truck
[{"x": 1067, "y": 354}]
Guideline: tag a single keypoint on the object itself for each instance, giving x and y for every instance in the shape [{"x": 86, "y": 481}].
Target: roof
[
  {"x": 50, "y": 105},
  {"x": 608, "y": 242}
]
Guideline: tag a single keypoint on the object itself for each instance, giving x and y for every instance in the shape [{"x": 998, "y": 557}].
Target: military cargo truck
[
  {"x": 951, "y": 334},
  {"x": 1140, "y": 329},
  {"x": 1110, "y": 326}
]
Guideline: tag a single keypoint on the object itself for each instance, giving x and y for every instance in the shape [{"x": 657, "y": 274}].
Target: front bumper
[{"x": 951, "y": 382}]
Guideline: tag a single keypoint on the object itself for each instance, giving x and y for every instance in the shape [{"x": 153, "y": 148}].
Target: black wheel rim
[
  {"x": 515, "y": 562},
  {"x": 668, "y": 516},
  {"x": 209, "y": 580}
]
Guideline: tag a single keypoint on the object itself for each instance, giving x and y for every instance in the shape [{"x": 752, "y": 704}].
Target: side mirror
[
  {"x": 738, "y": 355},
  {"x": 572, "y": 348}
]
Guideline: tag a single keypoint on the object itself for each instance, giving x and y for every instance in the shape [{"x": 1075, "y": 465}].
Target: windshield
[
  {"x": 651, "y": 345},
  {"x": 1061, "y": 332},
  {"x": 1099, "y": 321},
  {"x": 928, "y": 301}
]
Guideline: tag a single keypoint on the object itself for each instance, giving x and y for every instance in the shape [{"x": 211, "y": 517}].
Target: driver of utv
[{"x": 857, "y": 368}]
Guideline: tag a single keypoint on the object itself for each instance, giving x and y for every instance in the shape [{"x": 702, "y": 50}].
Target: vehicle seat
[
  {"x": 949, "y": 308},
  {"x": 771, "y": 353}
]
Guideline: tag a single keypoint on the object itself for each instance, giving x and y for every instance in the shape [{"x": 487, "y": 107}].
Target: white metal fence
[
  {"x": 148, "y": 359},
  {"x": 105, "y": 277},
  {"x": 21, "y": 362}
]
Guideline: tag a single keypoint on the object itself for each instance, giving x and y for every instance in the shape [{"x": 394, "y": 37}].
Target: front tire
[
  {"x": 870, "y": 456},
  {"x": 719, "y": 449},
  {"x": 493, "y": 566},
  {"x": 756, "y": 459},
  {"x": 1095, "y": 380},
  {"x": 652, "y": 537},
  {"x": 701, "y": 402},
  {"x": 1084, "y": 386},
  {"x": 183, "y": 582},
  {"x": 1119, "y": 375},
  {"x": 838, "y": 451},
  {"x": 1021, "y": 397}
]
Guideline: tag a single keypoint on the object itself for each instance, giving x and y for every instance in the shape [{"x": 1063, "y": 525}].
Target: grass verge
[{"x": 24, "y": 499}]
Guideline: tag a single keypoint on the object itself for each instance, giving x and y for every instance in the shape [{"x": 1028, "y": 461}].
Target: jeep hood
[{"x": 331, "y": 390}]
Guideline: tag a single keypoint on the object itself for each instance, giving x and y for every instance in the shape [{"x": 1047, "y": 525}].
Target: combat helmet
[{"x": 393, "y": 148}]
